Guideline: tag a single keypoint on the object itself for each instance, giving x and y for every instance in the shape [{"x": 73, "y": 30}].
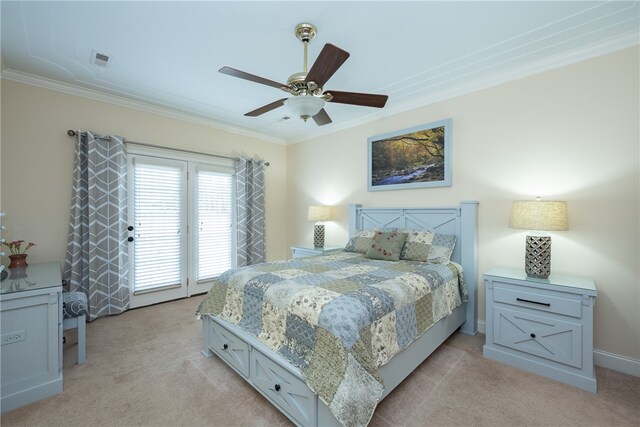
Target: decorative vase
[{"x": 18, "y": 261}]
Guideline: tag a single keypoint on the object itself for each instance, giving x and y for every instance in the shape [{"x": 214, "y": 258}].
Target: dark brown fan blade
[
  {"x": 242, "y": 75},
  {"x": 322, "y": 118},
  {"x": 330, "y": 59},
  {"x": 364, "y": 99},
  {"x": 266, "y": 108}
]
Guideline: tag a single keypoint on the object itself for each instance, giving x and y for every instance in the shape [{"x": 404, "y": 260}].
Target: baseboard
[
  {"x": 623, "y": 364},
  {"x": 616, "y": 362},
  {"x": 482, "y": 327}
]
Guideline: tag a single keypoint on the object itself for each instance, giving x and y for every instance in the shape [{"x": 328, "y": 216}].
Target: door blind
[
  {"x": 215, "y": 221},
  {"x": 158, "y": 225}
]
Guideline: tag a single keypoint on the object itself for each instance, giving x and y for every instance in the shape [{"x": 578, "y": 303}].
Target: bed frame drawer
[
  {"x": 290, "y": 394},
  {"x": 229, "y": 347}
]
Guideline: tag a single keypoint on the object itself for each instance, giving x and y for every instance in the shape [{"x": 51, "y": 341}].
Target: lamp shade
[
  {"x": 304, "y": 106},
  {"x": 319, "y": 213},
  {"x": 539, "y": 215}
]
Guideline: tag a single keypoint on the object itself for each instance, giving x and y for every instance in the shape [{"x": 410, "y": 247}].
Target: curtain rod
[{"x": 72, "y": 132}]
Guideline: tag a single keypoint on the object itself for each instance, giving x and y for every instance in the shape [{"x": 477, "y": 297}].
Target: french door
[{"x": 181, "y": 222}]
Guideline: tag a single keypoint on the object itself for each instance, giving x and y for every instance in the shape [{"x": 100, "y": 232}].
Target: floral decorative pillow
[
  {"x": 386, "y": 245},
  {"x": 441, "y": 248},
  {"x": 417, "y": 247},
  {"x": 360, "y": 242}
]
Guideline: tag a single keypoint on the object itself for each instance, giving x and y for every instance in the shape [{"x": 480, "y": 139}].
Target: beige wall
[
  {"x": 37, "y": 161},
  {"x": 569, "y": 134}
]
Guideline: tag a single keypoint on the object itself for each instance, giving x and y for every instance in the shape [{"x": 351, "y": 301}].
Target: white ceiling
[{"x": 167, "y": 54}]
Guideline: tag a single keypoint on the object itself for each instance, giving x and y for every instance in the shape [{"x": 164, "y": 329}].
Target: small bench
[{"x": 75, "y": 310}]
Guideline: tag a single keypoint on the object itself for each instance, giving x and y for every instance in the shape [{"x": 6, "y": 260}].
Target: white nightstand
[
  {"x": 542, "y": 325},
  {"x": 302, "y": 251}
]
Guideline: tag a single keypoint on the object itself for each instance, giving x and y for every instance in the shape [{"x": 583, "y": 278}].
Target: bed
[{"x": 300, "y": 378}]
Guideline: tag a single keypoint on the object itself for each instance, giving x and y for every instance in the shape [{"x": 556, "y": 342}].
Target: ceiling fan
[{"x": 306, "y": 87}]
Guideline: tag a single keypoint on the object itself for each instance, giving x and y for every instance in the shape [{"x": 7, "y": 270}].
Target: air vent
[{"x": 100, "y": 59}]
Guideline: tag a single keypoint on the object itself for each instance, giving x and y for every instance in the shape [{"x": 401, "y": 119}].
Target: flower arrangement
[{"x": 15, "y": 247}]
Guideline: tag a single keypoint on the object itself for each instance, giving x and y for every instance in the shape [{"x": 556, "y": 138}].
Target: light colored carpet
[{"x": 144, "y": 368}]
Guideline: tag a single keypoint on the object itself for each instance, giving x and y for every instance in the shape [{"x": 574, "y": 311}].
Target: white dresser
[
  {"x": 542, "y": 325},
  {"x": 31, "y": 324}
]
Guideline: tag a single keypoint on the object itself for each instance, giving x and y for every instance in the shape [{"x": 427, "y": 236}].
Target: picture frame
[{"x": 417, "y": 157}]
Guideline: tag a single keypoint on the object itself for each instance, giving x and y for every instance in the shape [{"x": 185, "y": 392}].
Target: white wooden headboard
[{"x": 460, "y": 220}]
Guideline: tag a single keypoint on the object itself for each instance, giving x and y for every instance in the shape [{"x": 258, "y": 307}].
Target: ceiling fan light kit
[
  {"x": 306, "y": 87},
  {"x": 304, "y": 106}
]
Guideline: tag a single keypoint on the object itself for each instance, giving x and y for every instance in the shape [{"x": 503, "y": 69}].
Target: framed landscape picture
[{"x": 411, "y": 158}]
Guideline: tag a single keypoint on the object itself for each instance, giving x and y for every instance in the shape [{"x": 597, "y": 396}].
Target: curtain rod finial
[{"x": 71, "y": 132}]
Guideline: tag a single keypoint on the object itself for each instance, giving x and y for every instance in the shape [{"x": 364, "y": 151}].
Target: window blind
[
  {"x": 158, "y": 225},
  {"x": 215, "y": 223}
]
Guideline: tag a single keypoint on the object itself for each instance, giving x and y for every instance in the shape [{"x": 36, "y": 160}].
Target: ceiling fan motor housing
[
  {"x": 296, "y": 82},
  {"x": 296, "y": 85}
]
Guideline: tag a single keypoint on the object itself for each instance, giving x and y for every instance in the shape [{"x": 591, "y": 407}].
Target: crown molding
[
  {"x": 621, "y": 42},
  {"x": 30, "y": 79},
  {"x": 624, "y": 41}
]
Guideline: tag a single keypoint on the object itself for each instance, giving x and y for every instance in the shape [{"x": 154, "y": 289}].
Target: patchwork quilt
[{"x": 338, "y": 317}]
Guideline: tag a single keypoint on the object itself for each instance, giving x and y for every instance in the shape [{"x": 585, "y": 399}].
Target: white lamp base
[{"x": 537, "y": 261}]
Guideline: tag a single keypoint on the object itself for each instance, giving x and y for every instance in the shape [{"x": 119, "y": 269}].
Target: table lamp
[
  {"x": 538, "y": 215},
  {"x": 318, "y": 214}
]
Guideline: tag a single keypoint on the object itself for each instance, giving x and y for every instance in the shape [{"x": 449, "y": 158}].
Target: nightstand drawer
[
  {"x": 303, "y": 251},
  {"x": 538, "y": 300},
  {"x": 551, "y": 339}
]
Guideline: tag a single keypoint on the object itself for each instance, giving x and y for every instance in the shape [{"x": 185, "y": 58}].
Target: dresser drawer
[
  {"x": 229, "y": 347},
  {"x": 283, "y": 389},
  {"x": 549, "y": 302}
]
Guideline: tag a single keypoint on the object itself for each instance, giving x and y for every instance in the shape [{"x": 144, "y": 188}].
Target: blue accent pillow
[{"x": 442, "y": 248}]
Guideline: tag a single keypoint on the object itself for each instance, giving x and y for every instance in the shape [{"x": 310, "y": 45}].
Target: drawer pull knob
[
  {"x": 225, "y": 346},
  {"x": 546, "y": 304},
  {"x": 533, "y": 335},
  {"x": 277, "y": 387}
]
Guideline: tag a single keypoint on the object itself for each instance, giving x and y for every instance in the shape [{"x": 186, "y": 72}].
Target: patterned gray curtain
[
  {"x": 96, "y": 262},
  {"x": 250, "y": 216}
]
